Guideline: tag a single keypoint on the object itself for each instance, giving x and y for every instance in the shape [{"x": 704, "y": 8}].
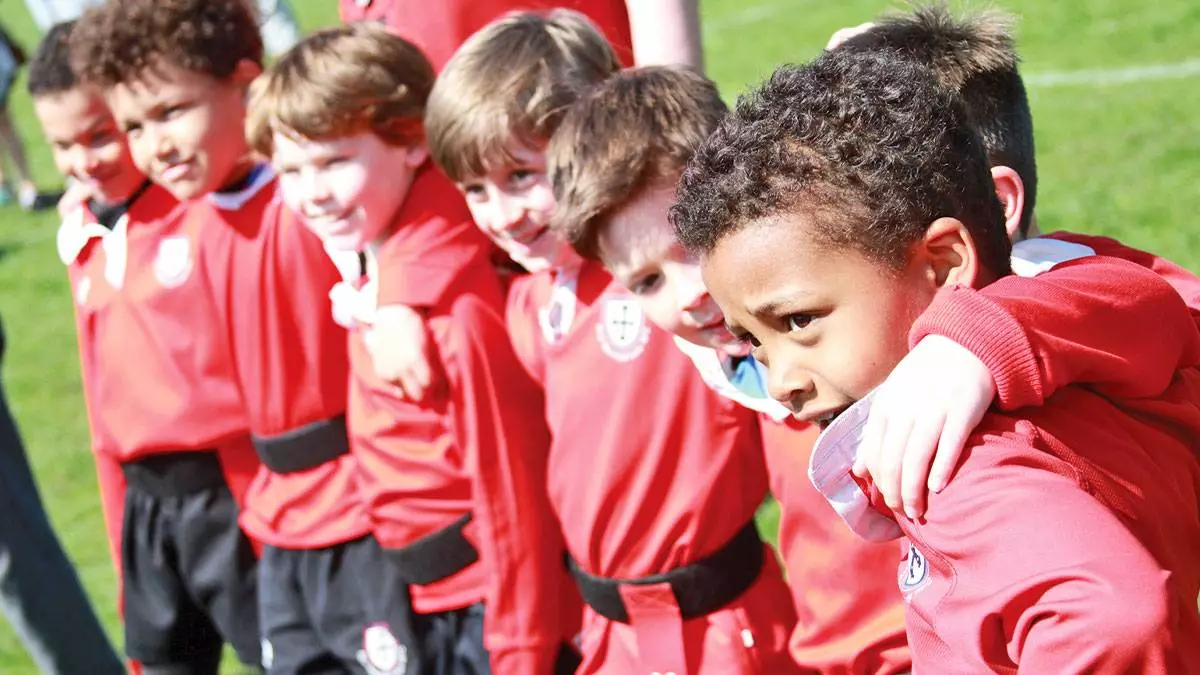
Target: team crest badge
[
  {"x": 914, "y": 572},
  {"x": 173, "y": 263},
  {"x": 382, "y": 653},
  {"x": 622, "y": 331}
]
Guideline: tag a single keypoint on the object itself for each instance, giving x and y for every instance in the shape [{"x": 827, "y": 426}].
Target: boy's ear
[
  {"x": 416, "y": 155},
  {"x": 1010, "y": 190},
  {"x": 949, "y": 253},
  {"x": 244, "y": 72}
]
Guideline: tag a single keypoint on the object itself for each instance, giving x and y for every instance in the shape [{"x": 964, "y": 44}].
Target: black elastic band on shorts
[
  {"x": 175, "y": 474},
  {"x": 700, "y": 588},
  {"x": 435, "y": 556},
  {"x": 304, "y": 448}
]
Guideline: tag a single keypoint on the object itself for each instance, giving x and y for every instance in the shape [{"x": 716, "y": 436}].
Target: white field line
[
  {"x": 1091, "y": 77},
  {"x": 1106, "y": 77}
]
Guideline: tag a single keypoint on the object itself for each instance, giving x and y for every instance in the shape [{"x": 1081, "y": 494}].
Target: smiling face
[
  {"x": 348, "y": 189},
  {"x": 512, "y": 204},
  {"x": 184, "y": 128},
  {"x": 829, "y": 324},
  {"x": 86, "y": 144},
  {"x": 638, "y": 246}
]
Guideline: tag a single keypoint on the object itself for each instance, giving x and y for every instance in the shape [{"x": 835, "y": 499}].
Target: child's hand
[
  {"x": 399, "y": 345},
  {"x": 921, "y": 417},
  {"x": 844, "y": 34}
]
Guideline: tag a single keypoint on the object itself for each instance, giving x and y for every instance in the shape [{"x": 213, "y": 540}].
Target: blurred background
[{"x": 1115, "y": 90}]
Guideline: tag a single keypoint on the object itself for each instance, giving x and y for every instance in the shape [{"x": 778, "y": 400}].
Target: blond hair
[
  {"x": 342, "y": 81},
  {"x": 512, "y": 81}
]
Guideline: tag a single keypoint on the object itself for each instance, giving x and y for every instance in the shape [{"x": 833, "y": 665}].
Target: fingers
[{"x": 918, "y": 456}]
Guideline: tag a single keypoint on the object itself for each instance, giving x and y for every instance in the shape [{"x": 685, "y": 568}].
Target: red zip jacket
[
  {"x": 271, "y": 292},
  {"x": 1068, "y": 538},
  {"x": 439, "y": 28},
  {"x": 649, "y": 470}
]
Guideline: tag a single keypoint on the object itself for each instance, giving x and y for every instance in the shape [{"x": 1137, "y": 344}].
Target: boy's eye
[
  {"x": 472, "y": 191},
  {"x": 523, "y": 177},
  {"x": 797, "y": 322},
  {"x": 646, "y": 284},
  {"x": 172, "y": 112}
]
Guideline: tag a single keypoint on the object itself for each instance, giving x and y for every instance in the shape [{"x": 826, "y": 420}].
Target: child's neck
[{"x": 240, "y": 178}]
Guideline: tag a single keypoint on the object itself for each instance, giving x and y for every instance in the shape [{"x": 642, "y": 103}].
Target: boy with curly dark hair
[
  {"x": 846, "y": 207},
  {"x": 922, "y": 415}
]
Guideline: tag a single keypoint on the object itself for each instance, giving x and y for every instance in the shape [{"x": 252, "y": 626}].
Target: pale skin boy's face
[
  {"x": 86, "y": 143},
  {"x": 347, "y": 189},
  {"x": 512, "y": 204},
  {"x": 830, "y": 325},
  {"x": 184, "y": 128},
  {"x": 639, "y": 247}
]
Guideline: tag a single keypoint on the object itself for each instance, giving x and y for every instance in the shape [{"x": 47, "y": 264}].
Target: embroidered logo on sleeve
[
  {"x": 173, "y": 263},
  {"x": 382, "y": 653},
  {"x": 622, "y": 331},
  {"x": 913, "y": 573}
]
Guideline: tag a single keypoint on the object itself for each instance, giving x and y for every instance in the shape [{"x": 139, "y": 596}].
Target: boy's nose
[
  {"x": 789, "y": 384},
  {"x": 509, "y": 213}
]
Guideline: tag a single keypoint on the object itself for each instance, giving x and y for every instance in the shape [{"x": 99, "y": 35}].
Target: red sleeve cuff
[{"x": 991, "y": 334}]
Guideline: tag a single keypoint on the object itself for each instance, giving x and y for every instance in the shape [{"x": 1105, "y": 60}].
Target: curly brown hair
[
  {"x": 116, "y": 41},
  {"x": 340, "y": 81},
  {"x": 867, "y": 146},
  {"x": 635, "y": 130},
  {"x": 975, "y": 56}
]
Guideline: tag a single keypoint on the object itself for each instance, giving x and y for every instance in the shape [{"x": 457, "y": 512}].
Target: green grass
[{"x": 1118, "y": 160}]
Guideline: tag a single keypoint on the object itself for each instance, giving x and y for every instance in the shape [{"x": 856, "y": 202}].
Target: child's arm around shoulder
[
  {"x": 500, "y": 422},
  {"x": 1101, "y": 321}
]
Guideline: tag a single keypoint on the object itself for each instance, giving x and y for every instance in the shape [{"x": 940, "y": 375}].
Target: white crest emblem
[
  {"x": 382, "y": 653},
  {"x": 622, "y": 331},
  {"x": 914, "y": 571},
  {"x": 173, "y": 263}
]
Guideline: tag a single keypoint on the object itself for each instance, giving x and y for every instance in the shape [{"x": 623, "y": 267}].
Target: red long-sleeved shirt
[
  {"x": 632, "y": 498},
  {"x": 439, "y": 28},
  {"x": 270, "y": 290},
  {"x": 425, "y": 465},
  {"x": 1067, "y": 540}
]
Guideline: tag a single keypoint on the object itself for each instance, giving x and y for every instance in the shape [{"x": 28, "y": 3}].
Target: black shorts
[
  {"x": 312, "y": 608},
  {"x": 444, "y": 643},
  {"x": 188, "y": 570}
]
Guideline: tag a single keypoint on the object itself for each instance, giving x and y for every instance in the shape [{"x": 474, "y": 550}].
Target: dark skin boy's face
[{"x": 829, "y": 324}]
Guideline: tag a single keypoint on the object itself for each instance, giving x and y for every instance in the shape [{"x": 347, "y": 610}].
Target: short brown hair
[
  {"x": 116, "y": 41},
  {"x": 975, "y": 57},
  {"x": 341, "y": 81},
  {"x": 637, "y": 129},
  {"x": 866, "y": 145},
  {"x": 512, "y": 80}
]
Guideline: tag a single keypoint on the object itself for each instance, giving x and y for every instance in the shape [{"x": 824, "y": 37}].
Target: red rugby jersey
[
  {"x": 427, "y": 464},
  {"x": 649, "y": 468},
  {"x": 438, "y": 28},
  {"x": 1067, "y": 540},
  {"x": 271, "y": 289}
]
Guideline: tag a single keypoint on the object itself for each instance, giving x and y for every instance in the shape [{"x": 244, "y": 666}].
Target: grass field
[{"x": 1115, "y": 86}]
